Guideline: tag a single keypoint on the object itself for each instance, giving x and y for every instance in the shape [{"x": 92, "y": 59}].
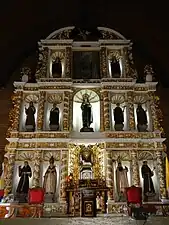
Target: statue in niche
[
  {"x": 118, "y": 118},
  {"x": 30, "y": 117},
  {"x": 87, "y": 117},
  {"x": 54, "y": 118},
  {"x": 3, "y": 173},
  {"x": 50, "y": 179},
  {"x": 141, "y": 119},
  {"x": 57, "y": 68},
  {"x": 115, "y": 68},
  {"x": 121, "y": 181},
  {"x": 148, "y": 186},
  {"x": 24, "y": 173}
]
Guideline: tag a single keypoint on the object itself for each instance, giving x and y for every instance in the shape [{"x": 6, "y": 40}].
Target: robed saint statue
[
  {"x": 30, "y": 117},
  {"x": 118, "y": 118},
  {"x": 50, "y": 178},
  {"x": 25, "y": 173},
  {"x": 121, "y": 181},
  {"x": 87, "y": 116},
  {"x": 148, "y": 185},
  {"x": 54, "y": 118},
  {"x": 141, "y": 119}
]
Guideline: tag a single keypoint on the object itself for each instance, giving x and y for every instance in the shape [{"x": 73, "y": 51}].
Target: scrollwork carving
[{"x": 41, "y": 70}]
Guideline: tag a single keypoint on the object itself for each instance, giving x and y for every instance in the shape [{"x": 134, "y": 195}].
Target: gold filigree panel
[
  {"x": 143, "y": 135},
  {"x": 121, "y": 145},
  {"x": 35, "y": 145},
  {"x": 24, "y": 135}
]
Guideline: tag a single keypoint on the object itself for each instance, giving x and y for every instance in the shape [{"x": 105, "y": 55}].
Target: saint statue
[
  {"x": 118, "y": 117},
  {"x": 147, "y": 174},
  {"x": 54, "y": 117},
  {"x": 87, "y": 116},
  {"x": 50, "y": 178},
  {"x": 121, "y": 181},
  {"x": 141, "y": 119},
  {"x": 30, "y": 117},
  {"x": 4, "y": 172},
  {"x": 24, "y": 173}
]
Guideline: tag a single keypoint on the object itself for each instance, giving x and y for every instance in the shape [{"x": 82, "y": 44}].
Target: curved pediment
[{"x": 78, "y": 34}]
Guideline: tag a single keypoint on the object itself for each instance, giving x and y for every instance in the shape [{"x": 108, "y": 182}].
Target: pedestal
[{"x": 86, "y": 129}]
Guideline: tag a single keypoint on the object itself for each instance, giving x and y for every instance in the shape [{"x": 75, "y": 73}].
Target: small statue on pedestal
[
  {"x": 23, "y": 186},
  {"x": 121, "y": 181},
  {"x": 50, "y": 180},
  {"x": 118, "y": 118},
  {"x": 30, "y": 117},
  {"x": 87, "y": 116},
  {"x": 147, "y": 174},
  {"x": 54, "y": 118},
  {"x": 141, "y": 119}
]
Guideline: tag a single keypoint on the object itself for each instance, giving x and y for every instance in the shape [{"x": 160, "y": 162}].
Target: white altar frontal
[{"x": 74, "y": 69}]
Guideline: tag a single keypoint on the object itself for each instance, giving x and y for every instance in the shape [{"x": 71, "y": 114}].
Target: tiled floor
[{"x": 85, "y": 221}]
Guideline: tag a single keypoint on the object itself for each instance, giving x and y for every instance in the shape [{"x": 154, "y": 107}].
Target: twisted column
[
  {"x": 36, "y": 171},
  {"x": 131, "y": 112},
  {"x": 109, "y": 175},
  {"x": 155, "y": 123},
  {"x": 103, "y": 62},
  {"x": 135, "y": 169},
  {"x": 14, "y": 115},
  {"x": 66, "y": 111},
  {"x": 9, "y": 176},
  {"x": 106, "y": 110},
  {"x": 70, "y": 111},
  {"x": 101, "y": 112},
  {"x": 68, "y": 62},
  {"x": 160, "y": 168},
  {"x": 41, "y": 111},
  {"x": 64, "y": 173}
]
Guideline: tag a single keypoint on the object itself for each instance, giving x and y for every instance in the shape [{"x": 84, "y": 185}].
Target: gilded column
[
  {"x": 155, "y": 123},
  {"x": 36, "y": 169},
  {"x": 11, "y": 163},
  {"x": 68, "y": 62},
  {"x": 135, "y": 169},
  {"x": 103, "y": 62},
  {"x": 71, "y": 111},
  {"x": 66, "y": 111},
  {"x": 40, "y": 118},
  {"x": 160, "y": 167},
  {"x": 14, "y": 115},
  {"x": 101, "y": 112},
  {"x": 109, "y": 175},
  {"x": 106, "y": 110},
  {"x": 131, "y": 112},
  {"x": 64, "y": 173}
]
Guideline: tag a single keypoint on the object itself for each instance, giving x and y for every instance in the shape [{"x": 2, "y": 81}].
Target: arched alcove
[
  {"x": 57, "y": 68},
  {"x": 94, "y": 100}
]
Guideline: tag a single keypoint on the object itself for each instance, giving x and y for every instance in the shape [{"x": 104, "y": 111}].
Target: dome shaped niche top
[
  {"x": 55, "y": 99},
  {"x": 118, "y": 99},
  {"x": 92, "y": 96},
  {"x": 31, "y": 98},
  {"x": 79, "y": 34}
]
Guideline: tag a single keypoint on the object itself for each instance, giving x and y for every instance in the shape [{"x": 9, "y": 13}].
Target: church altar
[{"x": 85, "y": 115}]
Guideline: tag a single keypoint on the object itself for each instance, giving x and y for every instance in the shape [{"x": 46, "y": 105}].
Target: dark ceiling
[{"x": 24, "y": 23}]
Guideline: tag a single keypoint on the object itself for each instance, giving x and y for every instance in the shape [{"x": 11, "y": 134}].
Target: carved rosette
[
  {"x": 11, "y": 163},
  {"x": 64, "y": 174},
  {"x": 15, "y": 111},
  {"x": 160, "y": 167},
  {"x": 106, "y": 110},
  {"x": 103, "y": 62},
  {"x": 36, "y": 169},
  {"x": 135, "y": 169},
  {"x": 109, "y": 175},
  {"x": 66, "y": 111},
  {"x": 40, "y": 118},
  {"x": 131, "y": 112},
  {"x": 68, "y": 63}
]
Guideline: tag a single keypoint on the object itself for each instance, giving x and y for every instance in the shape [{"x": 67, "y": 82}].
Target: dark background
[{"x": 24, "y": 23}]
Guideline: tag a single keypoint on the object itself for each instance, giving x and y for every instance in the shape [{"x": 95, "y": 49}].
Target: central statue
[{"x": 87, "y": 116}]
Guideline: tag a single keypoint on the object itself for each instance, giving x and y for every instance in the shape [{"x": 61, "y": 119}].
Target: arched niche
[
  {"x": 150, "y": 157},
  {"x": 141, "y": 100},
  {"x": 115, "y": 64},
  {"x": 25, "y": 104},
  {"x": 57, "y": 65},
  {"x": 55, "y": 98},
  {"x": 119, "y": 99},
  {"x": 94, "y": 100}
]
